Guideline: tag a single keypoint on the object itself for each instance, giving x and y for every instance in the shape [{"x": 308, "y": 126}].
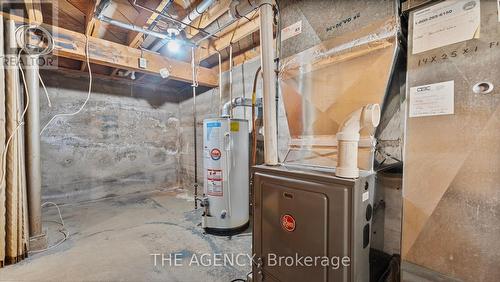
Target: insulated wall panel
[{"x": 451, "y": 213}]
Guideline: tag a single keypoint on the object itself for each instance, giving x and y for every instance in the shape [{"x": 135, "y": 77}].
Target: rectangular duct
[
  {"x": 451, "y": 174},
  {"x": 323, "y": 84}
]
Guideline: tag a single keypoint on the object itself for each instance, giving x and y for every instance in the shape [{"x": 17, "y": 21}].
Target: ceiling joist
[{"x": 34, "y": 10}]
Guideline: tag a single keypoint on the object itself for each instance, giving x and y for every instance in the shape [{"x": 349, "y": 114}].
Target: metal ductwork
[
  {"x": 133, "y": 27},
  {"x": 103, "y": 5},
  {"x": 99, "y": 14},
  {"x": 323, "y": 84},
  {"x": 240, "y": 8},
  {"x": 195, "y": 13}
]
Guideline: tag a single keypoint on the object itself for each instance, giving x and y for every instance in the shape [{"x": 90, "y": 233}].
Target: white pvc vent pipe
[{"x": 348, "y": 139}]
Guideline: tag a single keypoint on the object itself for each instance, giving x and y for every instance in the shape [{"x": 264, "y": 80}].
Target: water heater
[{"x": 226, "y": 176}]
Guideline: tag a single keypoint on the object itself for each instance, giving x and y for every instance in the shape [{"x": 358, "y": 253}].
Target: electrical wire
[
  {"x": 20, "y": 34},
  {"x": 45, "y": 90},
  {"x": 62, "y": 230},
  {"x": 88, "y": 95},
  {"x": 21, "y": 123},
  {"x": 254, "y": 118}
]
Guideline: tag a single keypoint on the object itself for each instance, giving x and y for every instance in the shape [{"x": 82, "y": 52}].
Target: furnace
[{"x": 301, "y": 211}]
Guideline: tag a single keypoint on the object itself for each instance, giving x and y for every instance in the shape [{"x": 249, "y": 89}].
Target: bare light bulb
[{"x": 173, "y": 46}]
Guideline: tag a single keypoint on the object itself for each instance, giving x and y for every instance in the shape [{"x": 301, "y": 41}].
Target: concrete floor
[{"x": 113, "y": 239}]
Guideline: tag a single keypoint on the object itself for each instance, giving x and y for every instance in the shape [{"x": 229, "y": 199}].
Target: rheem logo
[
  {"x": 215, "y": 154},
  {"x": 288, "y": 223}
]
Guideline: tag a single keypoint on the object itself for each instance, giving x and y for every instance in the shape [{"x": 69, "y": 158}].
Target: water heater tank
[{"x": 226, "y": 176}]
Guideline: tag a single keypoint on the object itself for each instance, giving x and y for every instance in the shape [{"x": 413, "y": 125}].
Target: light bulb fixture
[{"x": 173, "y": 46}]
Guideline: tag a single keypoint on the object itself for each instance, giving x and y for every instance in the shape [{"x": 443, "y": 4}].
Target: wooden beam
[
  {"x": 92, "y": 25},
  {"x": 208, "y": 17},
  {"x": 77, "y": 73},
  {"x": 34, "y": 10},
  {"x": 70, "y": 44},
  {"x": 183, "y": 3},
  {"x": 238, "y": 32}
]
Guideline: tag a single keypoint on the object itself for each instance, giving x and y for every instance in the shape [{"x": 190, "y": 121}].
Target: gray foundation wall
[
  {"x": 125, "y": 140},
  {"x": 129, "y": 139}
]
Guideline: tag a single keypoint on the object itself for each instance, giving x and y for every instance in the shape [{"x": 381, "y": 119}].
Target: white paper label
[
  {"x": 366, "y": 196},
  {"x": 214, "y": 182},
  {"x": 432, "y": 99},
  {"x": 291, "y": 31},
  {"x": 445, "y": 23}
]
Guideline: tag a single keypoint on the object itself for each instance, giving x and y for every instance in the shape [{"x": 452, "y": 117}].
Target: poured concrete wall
[{"x": 124, "y": 141}]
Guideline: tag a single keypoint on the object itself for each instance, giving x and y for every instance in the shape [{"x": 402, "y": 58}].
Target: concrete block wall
[{"x": 126, "y": 140}]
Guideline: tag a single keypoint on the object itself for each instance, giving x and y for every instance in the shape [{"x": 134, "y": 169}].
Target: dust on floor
[{"x": 116, "y": 239}]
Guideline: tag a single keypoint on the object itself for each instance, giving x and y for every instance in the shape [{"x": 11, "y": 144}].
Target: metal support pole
[
  {"x": 269, "y": 84},
  {"x": 195, "y": 143},
  {"x": 33, "y": 164}
]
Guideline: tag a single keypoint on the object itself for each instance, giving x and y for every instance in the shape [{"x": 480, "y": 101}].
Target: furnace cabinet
[{"x": 303, "y": 212}]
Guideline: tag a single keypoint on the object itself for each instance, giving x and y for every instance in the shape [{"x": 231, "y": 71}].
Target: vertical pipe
[
  {"x": 269, "y": 84},
  {"x": 11, "y": 92},
  {"x": 231, "y": 77},
  {"x": 3, "y": 138},
  {"x": 220, "y": 83},
  {"x": 33, "y": 164},
  {"x": 193, "y": 66}
]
